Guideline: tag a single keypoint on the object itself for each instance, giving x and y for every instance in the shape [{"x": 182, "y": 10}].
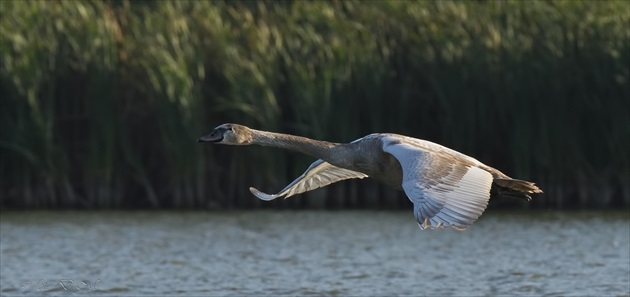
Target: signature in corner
[{"x": 63, "y": 284}]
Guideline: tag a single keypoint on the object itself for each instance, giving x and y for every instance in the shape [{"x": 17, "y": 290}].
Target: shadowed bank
[{"x": 101, "y": 102}]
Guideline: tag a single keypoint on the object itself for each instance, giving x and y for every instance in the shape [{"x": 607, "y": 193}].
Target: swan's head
[{"x": 232, "y": 134}]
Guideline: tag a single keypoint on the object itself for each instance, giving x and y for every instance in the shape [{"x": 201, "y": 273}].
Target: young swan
[{"x": 447, "y": 188}]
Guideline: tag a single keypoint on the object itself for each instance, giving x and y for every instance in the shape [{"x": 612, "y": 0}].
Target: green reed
[{"x": 102, "y": 101}]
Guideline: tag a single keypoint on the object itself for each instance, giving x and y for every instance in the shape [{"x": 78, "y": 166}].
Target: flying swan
[{"x": 446, "y": 187}]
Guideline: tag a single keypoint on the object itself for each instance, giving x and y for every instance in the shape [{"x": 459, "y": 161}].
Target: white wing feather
[
  {"x": 445, "y": 192},
  {"x": 319, "y": 174}
]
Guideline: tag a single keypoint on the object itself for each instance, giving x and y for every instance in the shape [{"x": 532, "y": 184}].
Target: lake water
[{"x": 340, "y": 253}]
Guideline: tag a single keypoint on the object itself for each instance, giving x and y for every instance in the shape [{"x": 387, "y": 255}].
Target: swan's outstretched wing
[
  {"x": 447, "y": 190},
  {"x": 319, "y": 174}
]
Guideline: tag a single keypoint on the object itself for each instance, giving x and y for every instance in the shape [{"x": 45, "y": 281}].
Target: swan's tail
[{"x": 515, "y": 188}]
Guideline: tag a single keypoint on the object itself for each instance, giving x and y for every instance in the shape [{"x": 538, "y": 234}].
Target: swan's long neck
[{"x": 319, "y": 149}]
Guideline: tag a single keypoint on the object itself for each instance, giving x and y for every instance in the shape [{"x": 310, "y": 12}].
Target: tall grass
[{"x": 101, "y": 101}]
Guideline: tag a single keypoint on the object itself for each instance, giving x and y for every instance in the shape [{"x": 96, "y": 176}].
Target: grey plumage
[{"x": 446, "y": 187}]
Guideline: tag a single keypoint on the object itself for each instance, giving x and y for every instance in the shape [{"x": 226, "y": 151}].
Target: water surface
[{"x": 358, "y": 253}]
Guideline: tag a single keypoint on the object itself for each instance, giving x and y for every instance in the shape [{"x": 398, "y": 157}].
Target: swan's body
[{"x": 447, "y": 188}]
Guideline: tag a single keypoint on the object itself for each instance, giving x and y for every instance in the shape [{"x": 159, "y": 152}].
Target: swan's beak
[{"x": 215, "y": 136}]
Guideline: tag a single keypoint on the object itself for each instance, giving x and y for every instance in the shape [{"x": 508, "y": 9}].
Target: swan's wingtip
[
  {"x": 261, "y": 195},
  {"x": 427, "y": 225}
]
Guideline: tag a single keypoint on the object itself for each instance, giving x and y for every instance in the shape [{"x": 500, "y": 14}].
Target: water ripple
[{"x": 311, "y": 253}]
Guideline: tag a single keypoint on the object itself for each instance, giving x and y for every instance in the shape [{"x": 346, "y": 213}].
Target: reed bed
[{"x": 101, "y": 101}]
